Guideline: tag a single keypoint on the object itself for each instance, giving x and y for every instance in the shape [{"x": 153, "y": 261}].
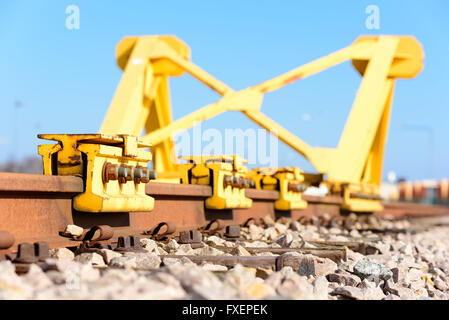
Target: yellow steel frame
[
  {"x": 213, "y": 170},
  {"x": 89, "y": 156},
  {"x": 288, "y": 181},
  {"x": 353, "y": 168}
]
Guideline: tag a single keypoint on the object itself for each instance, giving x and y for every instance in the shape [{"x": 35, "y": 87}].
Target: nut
[{"x": 110, "y": 172}]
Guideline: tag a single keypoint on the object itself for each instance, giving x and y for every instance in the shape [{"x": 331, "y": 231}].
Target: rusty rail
[{"x": 38, "y": 208}]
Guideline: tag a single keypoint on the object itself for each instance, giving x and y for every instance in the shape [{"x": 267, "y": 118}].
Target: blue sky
[{"x": 66, "y": 79}]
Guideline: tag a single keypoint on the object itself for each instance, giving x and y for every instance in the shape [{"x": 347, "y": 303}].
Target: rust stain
[
  {"x": 292, "y": 78},
  {"x": 75, "y": 157},
  {"x": 70, "y": 164},
  {"x": 264, "y": 86}
]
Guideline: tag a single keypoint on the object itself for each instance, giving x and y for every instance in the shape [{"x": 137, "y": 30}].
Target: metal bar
[
  {"x": 334, "y": 254},
  {"x": 269, "y": 262}
]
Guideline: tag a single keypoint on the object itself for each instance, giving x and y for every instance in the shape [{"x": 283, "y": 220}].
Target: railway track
[
  {"x": 38, "y": 208},
  {"x": 316, "y": 258}
]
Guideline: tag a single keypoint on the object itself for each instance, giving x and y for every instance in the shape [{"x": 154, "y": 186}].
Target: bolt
[
  {"x": 137, "y": 173},
  {"x": 184, "y": 237},
  {"x": 196, "y": 236},
  {"x": 26, "y": 253},
  {"x": 227, "y": 180},
  {"x": 135, "y": 242},
  {"x": 232, "y": 232},
  {"x": 129, "y": 173},
  {"x": 144, "y": 178},
  {"x": 110, "y": 172},
  {"x": 41, "y": 250},
  {"x": 237, "y": 182},
  {"x": 147, "y": 175},
  {"x": 152, "y": 175},
  {"x": 123, "y": 244},
  {"x": 297, "y": 187},
  {"x": 122, "y": 173}
]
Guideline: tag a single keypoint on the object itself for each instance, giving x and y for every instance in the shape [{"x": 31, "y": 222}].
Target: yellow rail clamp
[
  {"x": 288, "y": 181},
  {"x": 114, "y": 169},
  {"x": 226, "y": 174},
  {"x": 356, "y": 197}
]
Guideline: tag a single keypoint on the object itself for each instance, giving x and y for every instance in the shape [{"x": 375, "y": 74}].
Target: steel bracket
[
  {"x": 288, "y": 181},
  {"x": 114, "y": 170},
  {"x": 226, "y": 174}
]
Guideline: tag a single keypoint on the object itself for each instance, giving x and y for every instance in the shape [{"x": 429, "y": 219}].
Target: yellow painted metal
[
  {"x": 288, "y": 181},
  {"x": 357, "y": 161},
  {"x": 226, "y": 174},
  {"x": 142, "y": 99},
  {"x": 114, "y": 169}
]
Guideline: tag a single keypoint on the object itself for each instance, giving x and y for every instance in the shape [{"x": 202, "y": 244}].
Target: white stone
[
  {"x": 213, "y": 267},
  {"x": 270, "y": 234},
  {"x": 407, "y": 250},
  {"x": 354, "y": 234},
  {"x": 256, "y": 244},
  {"x": 62, "y": 254},
  {"x": 255, "y": 232},
  {"x": 280, "y": 228},
  {"x": 285, "y": 240},
  {"x": 320, "y": 288},
  {"x": 349, "y": 292},
  {"x": 440, "y": 285},
  {"x": 11, "y": 285},
  {"x": 299, "y": 244},
  {"x": 296, "y": 287},
  {"x": 241, "y": 251},
  {"x": 124, "y": 262},
  {"x": 149, "y": 245},
  {"x": 145, "y": 261},
  {"x": 373, "y": 293},
  {"x": 344, "y": 279},
  {"x": 92, "y": 258},
  {"x": 108, "y": 255},
  {"x": 202, "y": 284},
  {"x": 36, "y": 278},
  {"x": 177, "y": 261},
  {"x": 185, "y": 249},
  {"x": 121, "y": 275},
  {"x": 240, "y": 277},
  {"x": 414, "y": 275},
  {"x": 73, "y": 230},
  {"x": 172, "y": 245},
  {"x": 208, "y": 251},
  {"x": 316, "y": 266},
  {"x": 215, "y": 240}
]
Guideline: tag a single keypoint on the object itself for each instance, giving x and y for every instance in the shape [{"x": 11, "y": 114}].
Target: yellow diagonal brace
[{"x": 243, "y": 100}]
